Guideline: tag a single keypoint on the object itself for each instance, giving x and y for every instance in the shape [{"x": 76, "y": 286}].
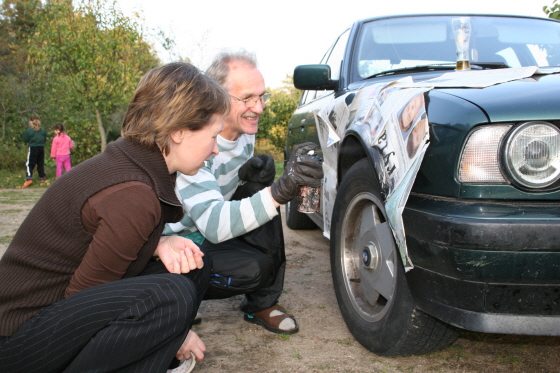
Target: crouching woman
[{"x": 88, "y": 284}]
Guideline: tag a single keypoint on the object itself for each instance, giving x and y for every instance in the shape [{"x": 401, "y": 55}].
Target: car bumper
[{"x": 486, "y": 266}]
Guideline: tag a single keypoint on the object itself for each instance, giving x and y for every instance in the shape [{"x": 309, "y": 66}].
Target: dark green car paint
[{"x": 483, "y": 254}]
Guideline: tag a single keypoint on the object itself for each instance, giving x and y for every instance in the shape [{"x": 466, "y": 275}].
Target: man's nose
[{"x": 259, "y": 107}]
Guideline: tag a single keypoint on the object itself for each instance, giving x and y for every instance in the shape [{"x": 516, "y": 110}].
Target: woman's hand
[
  {"x": 179, "y": 254},
  {"x": 191, "y": 344}
]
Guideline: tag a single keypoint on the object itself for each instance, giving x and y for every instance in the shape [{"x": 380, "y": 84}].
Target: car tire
[
  {"x": 296, "y": 220},
  {"x": 369, "y": 277}
]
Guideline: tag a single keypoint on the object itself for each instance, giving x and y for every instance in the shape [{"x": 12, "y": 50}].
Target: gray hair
[{"x": 219, "y": 68}]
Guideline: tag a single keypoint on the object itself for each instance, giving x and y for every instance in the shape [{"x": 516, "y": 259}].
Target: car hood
[{"x": 534, "y": 98}]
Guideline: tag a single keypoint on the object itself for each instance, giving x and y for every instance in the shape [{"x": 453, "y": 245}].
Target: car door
[{"x": 302, "y": 126}]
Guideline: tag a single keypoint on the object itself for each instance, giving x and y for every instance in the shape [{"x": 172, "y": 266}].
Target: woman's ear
[{"x": 177, "y": 136}]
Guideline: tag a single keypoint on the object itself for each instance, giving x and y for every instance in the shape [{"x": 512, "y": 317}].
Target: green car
[{"x": 440, "y": 139}]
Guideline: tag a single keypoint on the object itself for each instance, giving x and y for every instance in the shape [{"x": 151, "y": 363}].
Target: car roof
[{"x": 363, "y": 20}]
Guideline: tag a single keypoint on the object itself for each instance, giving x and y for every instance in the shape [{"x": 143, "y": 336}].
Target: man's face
[{"x": 243, "y": 81}]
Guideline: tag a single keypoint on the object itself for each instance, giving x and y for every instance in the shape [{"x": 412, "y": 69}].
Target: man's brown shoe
[
  {"x": 271, "y": 318},
  {"x": 27, "y": 183}
]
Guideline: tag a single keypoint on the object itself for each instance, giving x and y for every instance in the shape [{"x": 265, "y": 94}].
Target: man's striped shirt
[{"x": 205, "y": 197}]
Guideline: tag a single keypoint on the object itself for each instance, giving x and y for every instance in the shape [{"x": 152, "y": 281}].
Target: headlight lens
[
  {"x": 533, "y": 154},
  {"x": 480, "y": 161}
]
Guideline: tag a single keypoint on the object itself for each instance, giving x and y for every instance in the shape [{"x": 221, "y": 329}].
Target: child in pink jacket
[{"x": 60, "y": 150}]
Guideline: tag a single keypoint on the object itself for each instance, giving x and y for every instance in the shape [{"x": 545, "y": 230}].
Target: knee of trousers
[
  {"x": 177, "y": 292},
  {"x": 208, "y": 265},
  {"x": 201, "y": 277},
  {"x": 258, "y": 270}
]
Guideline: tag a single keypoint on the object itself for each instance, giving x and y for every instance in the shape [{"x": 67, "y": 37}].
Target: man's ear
[{"x": 177, "y": 136}]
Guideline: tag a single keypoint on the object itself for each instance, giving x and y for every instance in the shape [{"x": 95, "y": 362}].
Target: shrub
[{"x": 13, "y": 157}]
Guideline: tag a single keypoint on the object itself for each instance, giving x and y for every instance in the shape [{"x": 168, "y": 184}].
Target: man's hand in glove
[
  {"x": 302, "y": 169},
  {"x": 260, "y": 169}
]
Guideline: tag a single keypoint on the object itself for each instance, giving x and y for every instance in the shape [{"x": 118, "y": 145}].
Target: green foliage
[
  {"x": 274, "y": 120},
  {"x": 13, "y": 157},
  {"x": 16, "y": 26},
  {"x": 279, "y": 166},
  {"x": 77, "y": 64},
  {"x": 553, "y": 11},
  {"x": 16, "y": 96},
  {"x": 265, "y": 146},
  {"x": 19, "y": 15},
  {"x": 89, "y": 58},
  {"x": 86, "y": 140}
]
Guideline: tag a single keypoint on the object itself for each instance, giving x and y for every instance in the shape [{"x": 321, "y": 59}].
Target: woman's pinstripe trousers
[{"x": 131, "y": 325}]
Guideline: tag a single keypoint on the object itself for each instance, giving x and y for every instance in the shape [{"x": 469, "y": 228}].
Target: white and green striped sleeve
[{"x": 216, "y": 219}]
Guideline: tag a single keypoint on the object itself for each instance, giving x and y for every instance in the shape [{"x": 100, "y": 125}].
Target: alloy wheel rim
[{"x": 368, "y": 257}]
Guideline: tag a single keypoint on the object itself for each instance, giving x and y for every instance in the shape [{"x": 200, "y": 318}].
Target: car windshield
[{"x": 407, "y": 42}]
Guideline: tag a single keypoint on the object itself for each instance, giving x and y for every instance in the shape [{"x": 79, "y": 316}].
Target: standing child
[
  {"x": 60, "y": 150},
  {"x": 35, "y": 137}
]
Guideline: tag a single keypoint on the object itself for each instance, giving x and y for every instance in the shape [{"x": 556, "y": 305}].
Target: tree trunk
[{"x": 101, "y": 130}]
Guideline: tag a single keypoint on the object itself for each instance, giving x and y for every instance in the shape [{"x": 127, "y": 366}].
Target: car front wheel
[{"x": 369, "y": 278}]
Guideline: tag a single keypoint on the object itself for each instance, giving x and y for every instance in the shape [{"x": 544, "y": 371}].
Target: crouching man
[{"x": 232, "y": 205}]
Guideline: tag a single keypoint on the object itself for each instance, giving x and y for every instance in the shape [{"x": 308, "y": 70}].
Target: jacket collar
[{"x": 153, "y": 163}]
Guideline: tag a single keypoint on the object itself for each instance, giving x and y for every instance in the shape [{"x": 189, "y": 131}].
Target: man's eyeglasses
[{"x": 252, "y": 101}]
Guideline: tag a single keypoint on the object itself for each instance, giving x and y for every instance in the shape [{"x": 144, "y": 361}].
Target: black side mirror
[{"x": 314, "y": 78}]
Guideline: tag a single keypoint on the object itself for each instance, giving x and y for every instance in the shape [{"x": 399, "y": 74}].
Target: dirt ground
[{"x": 323, "y": 343}]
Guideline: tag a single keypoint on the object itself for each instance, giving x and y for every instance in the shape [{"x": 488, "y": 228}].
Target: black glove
[
  {"x": 301, "y": 169},
  {"x": 260, "y": 169}
]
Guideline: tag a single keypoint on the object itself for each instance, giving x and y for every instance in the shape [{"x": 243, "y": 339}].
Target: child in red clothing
[{"x": 60, "y": 150}]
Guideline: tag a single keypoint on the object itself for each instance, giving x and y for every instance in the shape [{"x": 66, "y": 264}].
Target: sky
[{"x": 285, "y": 33}]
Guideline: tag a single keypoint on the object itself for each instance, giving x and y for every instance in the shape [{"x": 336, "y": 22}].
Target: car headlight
[
  {"x": 532, "y": 154},
  {"x": 527, "y": 156},
  {"x": 480, "y": 160}
]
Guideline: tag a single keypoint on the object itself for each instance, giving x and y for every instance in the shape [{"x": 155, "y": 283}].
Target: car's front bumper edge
[{"x": 491, "y": 322}]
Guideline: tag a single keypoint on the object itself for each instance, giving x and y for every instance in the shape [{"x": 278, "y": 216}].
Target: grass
[
  {"x": 509, "y": 359},
  {"x": 12, "y": 197},
  {"x": 325, "y": 367},
  {"x": 14, "y": 180},
  {"x": 6, "y": 239},
  {"x": 31, "y": 196},
  {"x": 344, "y": 342},
  {"x": 283, "y": 337},
  {"x": 15, "y": 211},
  {"x": 279, "y": 169}
]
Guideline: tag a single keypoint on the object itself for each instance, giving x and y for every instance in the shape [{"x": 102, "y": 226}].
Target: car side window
[
  {"x": 334, "y": 58},
  {"x": 304, "y": 98}
]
